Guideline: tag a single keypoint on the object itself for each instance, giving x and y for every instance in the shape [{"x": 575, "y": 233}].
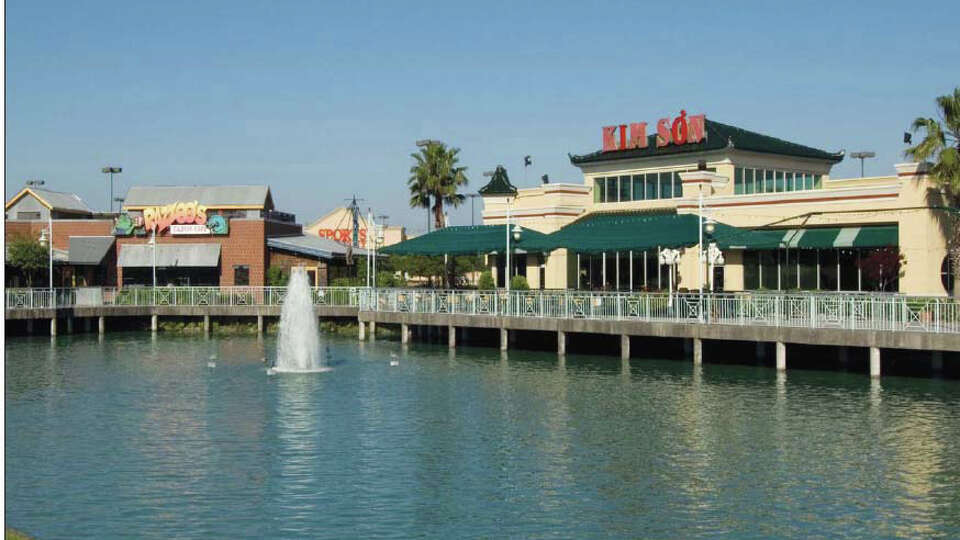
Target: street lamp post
[
  {"x": 153, "y": 244},
  {"x": 111, "y": 171},
  {"x": 670, "y": 258}
]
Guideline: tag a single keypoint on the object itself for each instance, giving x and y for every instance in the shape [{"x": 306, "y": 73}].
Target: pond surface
[{"x": 137, "y": 437}]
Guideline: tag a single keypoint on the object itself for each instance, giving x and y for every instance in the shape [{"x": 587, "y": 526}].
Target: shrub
[
  {"x": 486, "y": 282},
  {"x": 519, "y": 283}
]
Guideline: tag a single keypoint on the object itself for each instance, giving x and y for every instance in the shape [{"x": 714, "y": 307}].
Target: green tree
[
  {"x": 27, "y": 255},
  {"x": 941, "y": 146},
  {"x": 435, "y": 178},
  {"x": 276, "y": 277}
]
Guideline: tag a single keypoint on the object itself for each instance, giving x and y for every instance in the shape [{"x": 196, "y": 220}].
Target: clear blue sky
[{"x": 323, "y": 100}]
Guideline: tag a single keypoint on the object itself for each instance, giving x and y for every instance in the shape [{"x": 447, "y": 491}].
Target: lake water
[{"x": 138, "y": 437}]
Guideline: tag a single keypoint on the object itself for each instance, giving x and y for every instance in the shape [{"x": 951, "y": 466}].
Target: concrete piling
[
  {"x": 452, "y": 337},
  {"x": 624, "y": 347},
  {"x": 504, "y": 338},
  {"x": 206, "y": 325},
  {"x": 697, "y": 351},
  {"x": 561, "y": 343},
  {"x": 781, "y": 356},
  {"x": 153, "y": 323},
  {"x": 53, "y": 326},
  {"x": 101, "y": 325},
  {"x": 874, "y": 361},
  {"x": 373, "y": 331},
  {"x": 363, "y": 330},
  {"x": 404, "y": 334},
  {"x": 259, "y": 324}
]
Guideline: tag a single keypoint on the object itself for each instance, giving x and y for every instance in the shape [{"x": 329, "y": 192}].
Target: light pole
[
  {"x": 111, "y": 171},
  {"x": 670, "y": 258},
  {"x": 46, "y": 240},
  {"x": 862, "y": 156},
  {"x": 153, "y": 244}
]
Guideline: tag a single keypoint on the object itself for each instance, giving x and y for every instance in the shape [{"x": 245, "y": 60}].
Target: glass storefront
[{"x": 845, "y": 269}]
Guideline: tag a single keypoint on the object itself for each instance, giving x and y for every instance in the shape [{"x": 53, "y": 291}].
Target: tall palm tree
[
  {"x": 941, "y": 145},
  {"x": 436, "y": 175}
]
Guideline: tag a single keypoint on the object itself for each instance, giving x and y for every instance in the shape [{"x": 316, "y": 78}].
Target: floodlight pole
[
  {"x": 506, "y": 267},
  {"x": 50, "y": 252}
]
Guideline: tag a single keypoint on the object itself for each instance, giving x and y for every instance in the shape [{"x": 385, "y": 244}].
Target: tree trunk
[{"x": 438, "y": 214}]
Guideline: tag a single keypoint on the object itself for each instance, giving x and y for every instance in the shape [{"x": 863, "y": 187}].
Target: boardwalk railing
[
  {"x": 172, "y": 296},
  {"x": 803, "y": 310},
  {"x": 843, "y": 311}
]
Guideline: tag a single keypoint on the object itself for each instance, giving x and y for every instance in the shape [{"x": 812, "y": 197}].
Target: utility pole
[{"x": 111, "y": 170}]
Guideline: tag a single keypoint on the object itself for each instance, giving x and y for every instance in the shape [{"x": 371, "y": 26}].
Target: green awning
[
  {"x": 599, "y": 232},
  {"x": 466, "y": 240},
  {"x": 819, "y": 238}
]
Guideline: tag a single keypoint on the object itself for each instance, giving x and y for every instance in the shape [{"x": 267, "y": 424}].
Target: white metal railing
[
  {"x": 846, "y": 311},
  {"x": 853, "y": 311},
  {"x": 171, "y": 296}
]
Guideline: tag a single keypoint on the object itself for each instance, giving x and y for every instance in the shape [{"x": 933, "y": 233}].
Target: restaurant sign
[
  {"x": 344, "y": 236},
  {"x": 681, "y": 130},
  {"x": 174, "y": 214}
]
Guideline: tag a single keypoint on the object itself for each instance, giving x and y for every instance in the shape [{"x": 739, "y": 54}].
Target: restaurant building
[{"x": 778, "y": 220}]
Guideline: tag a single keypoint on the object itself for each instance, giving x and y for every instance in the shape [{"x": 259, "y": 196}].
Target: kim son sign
[{"x": 681, "y": 130}]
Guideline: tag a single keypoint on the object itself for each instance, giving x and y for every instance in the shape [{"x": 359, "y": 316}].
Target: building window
[
  {"x": 612, "y": 193},
  {"x": 241, "y": 275},
  {"x": 599, "y": 195},
  {"x": 947, "y": 274},
  {"x": 638, "y": 187},
  {"x": 625, "y": 185}
]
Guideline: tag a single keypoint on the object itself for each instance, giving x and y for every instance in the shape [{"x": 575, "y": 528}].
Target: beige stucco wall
[
  {"x": 342, "y": 219},
  {"x": 902, "y": 198}
]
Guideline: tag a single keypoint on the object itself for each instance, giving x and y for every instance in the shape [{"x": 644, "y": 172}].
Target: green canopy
[
  {"x": 820, "y": 238},
  {"x": 598, "y": 232},
  {"x": 465, "y": 240}
]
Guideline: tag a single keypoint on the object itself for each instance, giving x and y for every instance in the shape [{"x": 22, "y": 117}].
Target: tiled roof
[{"x": 212, "y": 196}]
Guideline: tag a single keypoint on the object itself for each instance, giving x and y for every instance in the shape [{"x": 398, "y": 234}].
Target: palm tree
[
  {"x": 941, "y": 145},
  {"x": 436, "y": 175}
]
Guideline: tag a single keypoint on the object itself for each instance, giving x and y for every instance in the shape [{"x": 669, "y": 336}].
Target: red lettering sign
[
  {"x": 344, "y": 236},
  {"x": 681, "y": 130}
]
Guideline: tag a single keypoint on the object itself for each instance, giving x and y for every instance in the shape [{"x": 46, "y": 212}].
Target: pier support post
[
  {"x": 259, "y": 324},
  {"x": 874, "y": 361},
  {"x": 153, "y": 323},
  {"x": 373, "y": 331},
  {"x": 504, "y": 339},
  {"x": 561, "y": 342},
  {"x": 404, "y": 334},
  {"x": 206, "y": 325},
  {"x": 781, "y": 356},
  {"x": 69, "y": 325},
  {"x": 624, "y": 347},
  {"x": 363, "y": 330},
  {"x": 452, "y": 336},
  {"x": 697, "y": 351},
  {"x": 53, "y": 326},
  {"x": 29, "y": 327},
  {"x": 101, "y": 325},
  {"x": 937, "y": 362}
]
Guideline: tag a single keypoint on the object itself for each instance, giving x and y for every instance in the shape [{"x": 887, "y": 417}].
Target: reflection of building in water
[{"x": 916, "y": 440}]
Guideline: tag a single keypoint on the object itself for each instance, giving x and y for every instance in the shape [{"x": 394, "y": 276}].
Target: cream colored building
[
  {"x": 338, "y": 225},
  {"x": 827, "y": 231}
]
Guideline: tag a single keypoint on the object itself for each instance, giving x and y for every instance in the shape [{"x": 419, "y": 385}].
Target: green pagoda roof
[
  {"x": 718, "y": 137},
  {"x": 499, "y": 184}
]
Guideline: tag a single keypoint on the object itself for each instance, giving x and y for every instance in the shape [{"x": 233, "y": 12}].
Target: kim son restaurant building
[
  {"x": 775, "y": 219},
  {"x": 191, "y": 235}
]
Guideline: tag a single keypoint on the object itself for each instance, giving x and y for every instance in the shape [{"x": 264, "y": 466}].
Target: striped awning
[{"x": 820, "y": 238}]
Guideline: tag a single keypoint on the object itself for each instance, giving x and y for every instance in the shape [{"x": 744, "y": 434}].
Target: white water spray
[{"x": 299, "y": 345}]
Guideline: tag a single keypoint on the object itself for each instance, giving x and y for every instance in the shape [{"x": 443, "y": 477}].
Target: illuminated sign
[
  {"x": 682, "y": 130},
  {"x": 180, "y": 217},
  {"x": 344, "y": 236}
]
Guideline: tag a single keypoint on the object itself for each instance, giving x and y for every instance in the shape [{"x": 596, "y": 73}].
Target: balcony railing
[{"x": 856, "y": 311}]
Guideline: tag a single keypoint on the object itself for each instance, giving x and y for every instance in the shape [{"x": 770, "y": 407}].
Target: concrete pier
[
  {"x": 373, "y": 331},
  {"x": 697, "y": 351},
  {"x": 874, "y": 361},
  {"x": 504, "y": 339},
  {"x": 153, "y": 323},
  {"x": 624, "y": 347},
  {"x": 561, "y": 343},
  {"x": 101, "y": 325},
  {"x": 452, "y": 337},
  {"x": 53, "y": 326},
  {"x": 206, "y": 325},
  {"x": 781, "y": 356},
  {"x": 259, "y": 324},
  {"x": 363, "y": 331},
  {"x": 404, "y": 334}
]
